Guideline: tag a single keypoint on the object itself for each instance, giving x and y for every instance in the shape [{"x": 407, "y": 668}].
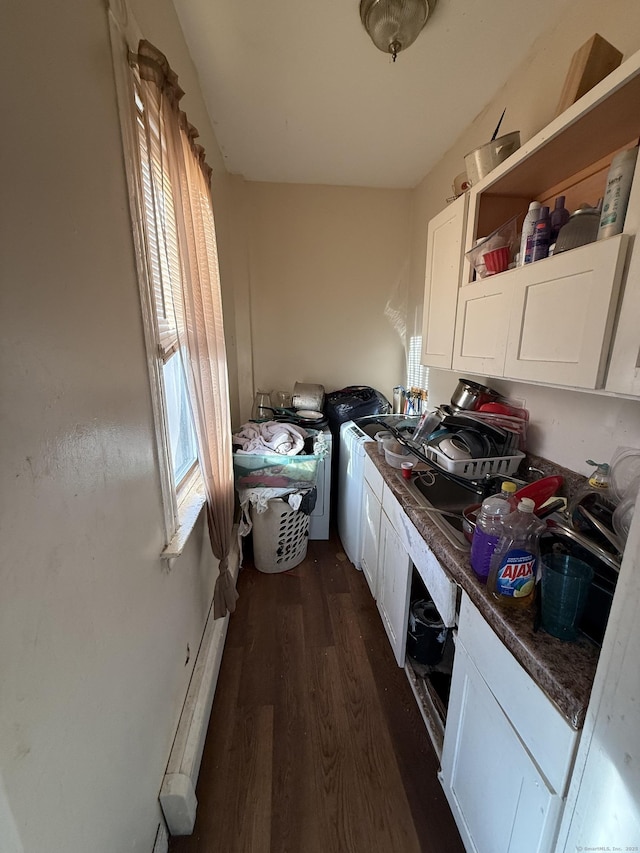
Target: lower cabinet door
[
  {"x": 371, "y": 511},
  {"x": 394, "y": 587},
  {"x": 500, "y": 801}
]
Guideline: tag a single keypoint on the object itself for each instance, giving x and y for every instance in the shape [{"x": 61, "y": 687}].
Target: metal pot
[
  {"x": 471, "y": 395},
  {"x": 308, "y": 396}
]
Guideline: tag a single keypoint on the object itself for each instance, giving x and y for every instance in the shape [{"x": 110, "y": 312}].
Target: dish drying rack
[
  {"x": 474, "y": 469},
  {"x": 462, "y": 469}
]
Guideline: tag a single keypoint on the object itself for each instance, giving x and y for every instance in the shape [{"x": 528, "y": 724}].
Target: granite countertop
[{"x": 564, "y": 671}]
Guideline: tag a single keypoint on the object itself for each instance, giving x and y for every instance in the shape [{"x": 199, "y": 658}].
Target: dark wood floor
[{"x": 315, "y": 743}]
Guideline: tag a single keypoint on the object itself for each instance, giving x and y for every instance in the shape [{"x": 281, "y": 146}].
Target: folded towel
[{"x": 270, "y": 437}]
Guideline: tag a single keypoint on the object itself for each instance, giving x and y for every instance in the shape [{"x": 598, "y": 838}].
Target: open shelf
[{"x": 571, "y": 156}]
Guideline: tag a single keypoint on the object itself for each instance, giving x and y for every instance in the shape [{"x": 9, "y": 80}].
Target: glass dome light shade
[{"x": 393, "y": 25}]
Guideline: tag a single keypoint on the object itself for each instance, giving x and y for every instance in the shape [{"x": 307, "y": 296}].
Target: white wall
[
  {"x": 93, "y": 627},
  {"x": 326, "y": 263},
  {"x": 568, "y": 427}
]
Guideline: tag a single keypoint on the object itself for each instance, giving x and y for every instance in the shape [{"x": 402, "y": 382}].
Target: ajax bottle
[
  {"x": 514, "y": 564},
  {"x": 488, "y": 529}
]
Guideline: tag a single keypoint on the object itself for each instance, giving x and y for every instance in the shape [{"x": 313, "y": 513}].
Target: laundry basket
[{"x": 280, "y": 537}]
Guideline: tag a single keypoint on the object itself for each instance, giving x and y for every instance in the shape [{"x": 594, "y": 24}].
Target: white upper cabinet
[
  {"x": 562, "y": 315},
  {"x": 623, "y": 375},
  {"x": 482, "y": 324},
  {"x": 571, "y": 319},
  {"x": 445, "y": 238}
]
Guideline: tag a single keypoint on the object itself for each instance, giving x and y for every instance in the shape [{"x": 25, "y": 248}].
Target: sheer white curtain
[{"x": 197, "y": 300}]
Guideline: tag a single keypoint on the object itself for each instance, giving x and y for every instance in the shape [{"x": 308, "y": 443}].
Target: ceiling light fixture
[{"x": 394, "y": 25}]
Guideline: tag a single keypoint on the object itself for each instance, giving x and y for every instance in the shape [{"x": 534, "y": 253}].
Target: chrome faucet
[{"x": 538, "y": 471}]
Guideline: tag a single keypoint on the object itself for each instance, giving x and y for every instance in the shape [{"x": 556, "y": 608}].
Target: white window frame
[
  {"x": 417, "y": 373},
  {"x": 181, "y": 503}
]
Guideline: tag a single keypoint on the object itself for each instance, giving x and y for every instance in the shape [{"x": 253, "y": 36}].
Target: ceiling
[{"x": 298, "y": 93}]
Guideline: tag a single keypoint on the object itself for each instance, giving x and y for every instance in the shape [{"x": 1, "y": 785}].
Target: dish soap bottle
[
  {"x": 489, "y": 527},
  {"x": 514, "y": 565}
]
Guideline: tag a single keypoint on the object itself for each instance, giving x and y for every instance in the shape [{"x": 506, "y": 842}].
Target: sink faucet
[{"x": 532, "y": 470}]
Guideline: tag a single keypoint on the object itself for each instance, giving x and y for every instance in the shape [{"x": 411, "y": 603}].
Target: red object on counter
[
  {"x": 541, "y": 490},
  {"x": 407, "y": 469}
]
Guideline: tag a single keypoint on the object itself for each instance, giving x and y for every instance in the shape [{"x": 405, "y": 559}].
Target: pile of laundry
[
  {"x": 276, "y": 459},
  {"x": 270, "y": 437}
]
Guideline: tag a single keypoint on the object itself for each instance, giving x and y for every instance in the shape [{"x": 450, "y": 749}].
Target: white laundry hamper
[{"x": 280, "y": 537}]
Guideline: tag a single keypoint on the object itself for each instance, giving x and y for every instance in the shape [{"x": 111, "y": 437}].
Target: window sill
[{"x": 188, "y": 512}]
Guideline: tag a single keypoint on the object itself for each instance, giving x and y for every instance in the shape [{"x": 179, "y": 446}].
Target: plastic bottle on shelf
[
  {"x": 527, "y": 229},
  {"x": 616, "y": 197},
  {"x": 514, "y": 564},
  {"x": 489, "y": 527},
  {"x": 541, "y": 237},
  {"x": 559, "y": 217}
]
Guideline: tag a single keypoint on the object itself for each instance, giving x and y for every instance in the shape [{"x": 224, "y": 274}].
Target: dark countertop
[{"x": 564, "y": 671}]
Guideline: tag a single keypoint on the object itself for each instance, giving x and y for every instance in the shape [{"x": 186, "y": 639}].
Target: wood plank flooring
[{"x": 315, "y": 743}]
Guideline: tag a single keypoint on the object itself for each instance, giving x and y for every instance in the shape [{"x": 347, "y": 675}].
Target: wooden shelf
[{"x": 570, "y": 156}]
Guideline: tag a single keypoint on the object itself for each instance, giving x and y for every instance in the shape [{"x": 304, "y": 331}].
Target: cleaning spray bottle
[{"x": 514, "y": 564}]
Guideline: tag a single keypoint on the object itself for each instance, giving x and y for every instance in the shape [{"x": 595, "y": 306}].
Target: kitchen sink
[{"x": 434, "y": 491}]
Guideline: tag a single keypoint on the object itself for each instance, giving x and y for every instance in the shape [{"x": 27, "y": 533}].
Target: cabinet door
[
  {"x": 623, "y": 375},
  {"x": 371, "y": 511},
  {"x": 562, "y": 315},
  {"x": 481, "y": 325},
  {"x": 394, "y": 576},
  {"x": 442, "y": 279},
  {"x": 500, "y": 801}
]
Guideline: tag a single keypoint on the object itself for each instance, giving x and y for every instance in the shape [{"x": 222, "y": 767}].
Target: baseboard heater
[{"x": 178, "y": 792}]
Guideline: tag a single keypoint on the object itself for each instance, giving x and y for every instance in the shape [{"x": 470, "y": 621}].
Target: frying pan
[{"x": 301, "y": 417}]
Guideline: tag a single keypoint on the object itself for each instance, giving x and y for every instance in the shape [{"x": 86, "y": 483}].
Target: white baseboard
[{"x": 178, "y": 792}]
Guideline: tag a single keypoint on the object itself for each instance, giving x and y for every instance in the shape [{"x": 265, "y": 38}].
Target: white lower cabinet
[
  {"x": 385, "y": 560},
  {"x": 507, "y": 750},
  {"x": 394, "y": 587}
]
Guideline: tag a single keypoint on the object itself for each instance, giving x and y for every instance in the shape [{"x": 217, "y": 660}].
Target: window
[
  {"x": 165, "y": 281},
  {"x": 182, "y": 439},
  {"x": 417, "y": 374}
]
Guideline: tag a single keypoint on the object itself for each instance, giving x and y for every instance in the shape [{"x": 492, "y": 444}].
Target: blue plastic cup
[{"x": 565, "y": 585}]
